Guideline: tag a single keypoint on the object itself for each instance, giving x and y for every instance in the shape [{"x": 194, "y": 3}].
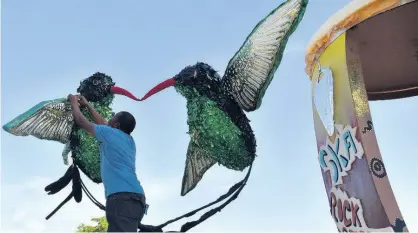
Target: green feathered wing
[{"x": 251, "y": 70}]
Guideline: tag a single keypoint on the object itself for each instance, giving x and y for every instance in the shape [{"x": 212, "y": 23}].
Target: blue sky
[{"x": 49, "y": 46}]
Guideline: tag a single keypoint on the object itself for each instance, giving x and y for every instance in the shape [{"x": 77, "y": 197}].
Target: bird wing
[
  {"x": 252, "y": 68},
  {"x": 197, "y": 163},
  {"x": 49, "y": 120}
]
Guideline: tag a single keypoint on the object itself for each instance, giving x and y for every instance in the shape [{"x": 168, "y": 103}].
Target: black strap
[
  {"x": 91, "y": 197},
  {"x": 235, "y": 190},
  {"x": 237, "y": 186},
  {"x": 76, "y": 192},
  {"x": 189, "y": 225},
  {"x": 60, "y": 205}
]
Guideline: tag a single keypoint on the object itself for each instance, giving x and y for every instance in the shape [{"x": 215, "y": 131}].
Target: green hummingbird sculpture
[
  {"x": 53, "y": 120},
  {"x": 219, "y": 129}
]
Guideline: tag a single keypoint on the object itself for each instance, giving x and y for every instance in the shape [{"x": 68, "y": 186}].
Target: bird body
[
  {"x": 216, "y": 117},
  {"x": 85, "y": 148},
  {"x": 216, "y": 123}
]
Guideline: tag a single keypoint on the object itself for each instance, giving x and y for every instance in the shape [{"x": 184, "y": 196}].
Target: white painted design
[
  {"x": 324, "y": 98},
  {"x": 338, "y": 156}
]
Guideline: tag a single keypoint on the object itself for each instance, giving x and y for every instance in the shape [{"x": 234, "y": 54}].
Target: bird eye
[{"x": 95, "y": 82}]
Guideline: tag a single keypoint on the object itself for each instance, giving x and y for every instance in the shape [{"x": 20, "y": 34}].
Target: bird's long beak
[
  {"x": 121, "y": 91},
  {"x": 167, "y": 83}
]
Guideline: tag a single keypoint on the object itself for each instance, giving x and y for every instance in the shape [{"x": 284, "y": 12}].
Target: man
[{"x": 125, "y": 198}]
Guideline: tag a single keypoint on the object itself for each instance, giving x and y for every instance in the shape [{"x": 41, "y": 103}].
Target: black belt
[{"x": 127, "y": 196}]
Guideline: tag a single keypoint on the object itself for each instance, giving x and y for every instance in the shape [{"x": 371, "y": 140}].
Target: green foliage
[
  {"x": 100, "y": 226},
  {"x": 211, "y": 129}
]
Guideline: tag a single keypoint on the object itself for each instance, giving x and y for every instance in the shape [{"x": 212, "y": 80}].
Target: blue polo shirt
[{"x": 117, "y": 161}]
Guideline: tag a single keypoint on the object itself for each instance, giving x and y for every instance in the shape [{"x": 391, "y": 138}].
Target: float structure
[{"x": 367, "y": 51}]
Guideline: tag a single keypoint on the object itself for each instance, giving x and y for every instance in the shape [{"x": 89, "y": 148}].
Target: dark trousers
[{"x": 124, "y": 211}]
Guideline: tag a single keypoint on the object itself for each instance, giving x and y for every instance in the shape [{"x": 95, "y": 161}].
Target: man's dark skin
[
  {"x": 125, "y": 199},
  {"x": 78, "y": 101}
]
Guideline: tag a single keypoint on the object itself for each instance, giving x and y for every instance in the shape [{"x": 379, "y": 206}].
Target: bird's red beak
[
  {"x": 167, "y": 83},
  {"x": 121, "y": 91}
]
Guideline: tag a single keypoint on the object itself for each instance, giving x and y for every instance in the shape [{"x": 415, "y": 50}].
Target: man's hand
[
  {"x": 79, "y": 118},
  {"x": 83, "y": 101},
  {"x": 79, "y": 100},
  {"x": 73, "y": 99}
]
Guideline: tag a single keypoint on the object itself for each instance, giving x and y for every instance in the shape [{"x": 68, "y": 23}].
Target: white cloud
[
  {"x": 18, "y": 215},
  {"x": 25, "y": 206}
]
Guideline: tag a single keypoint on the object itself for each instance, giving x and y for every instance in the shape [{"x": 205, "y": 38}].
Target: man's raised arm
[
  {"x": 97, "y": 118},
  {"x": 79, "y": 118}
]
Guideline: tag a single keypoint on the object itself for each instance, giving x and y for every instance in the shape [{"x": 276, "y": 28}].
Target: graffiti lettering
[
  {"x": 387, "y": 229},
  {"x": 347, "y": 213},
  {"x": 338, "y": 160}
]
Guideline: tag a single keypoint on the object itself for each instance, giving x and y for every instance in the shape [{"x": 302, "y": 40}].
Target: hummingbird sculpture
[
  {"x": 53, "y": 120},
  {"x": 219, "y": 129}
]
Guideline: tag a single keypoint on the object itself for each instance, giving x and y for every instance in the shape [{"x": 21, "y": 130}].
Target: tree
[{"x": 100, "y": 226}]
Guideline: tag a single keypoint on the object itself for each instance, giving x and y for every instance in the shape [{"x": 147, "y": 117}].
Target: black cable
[
  {"x": 60, "y": 205},
  {"x": 221, "y": 198},
  {"x": 234, "y": 191},
  {"x": 91, "y": 197},
  {"x": 188, "y": 225}
]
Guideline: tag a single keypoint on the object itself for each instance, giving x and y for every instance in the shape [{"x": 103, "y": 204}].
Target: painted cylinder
[{"x": 348, "y": 64}]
